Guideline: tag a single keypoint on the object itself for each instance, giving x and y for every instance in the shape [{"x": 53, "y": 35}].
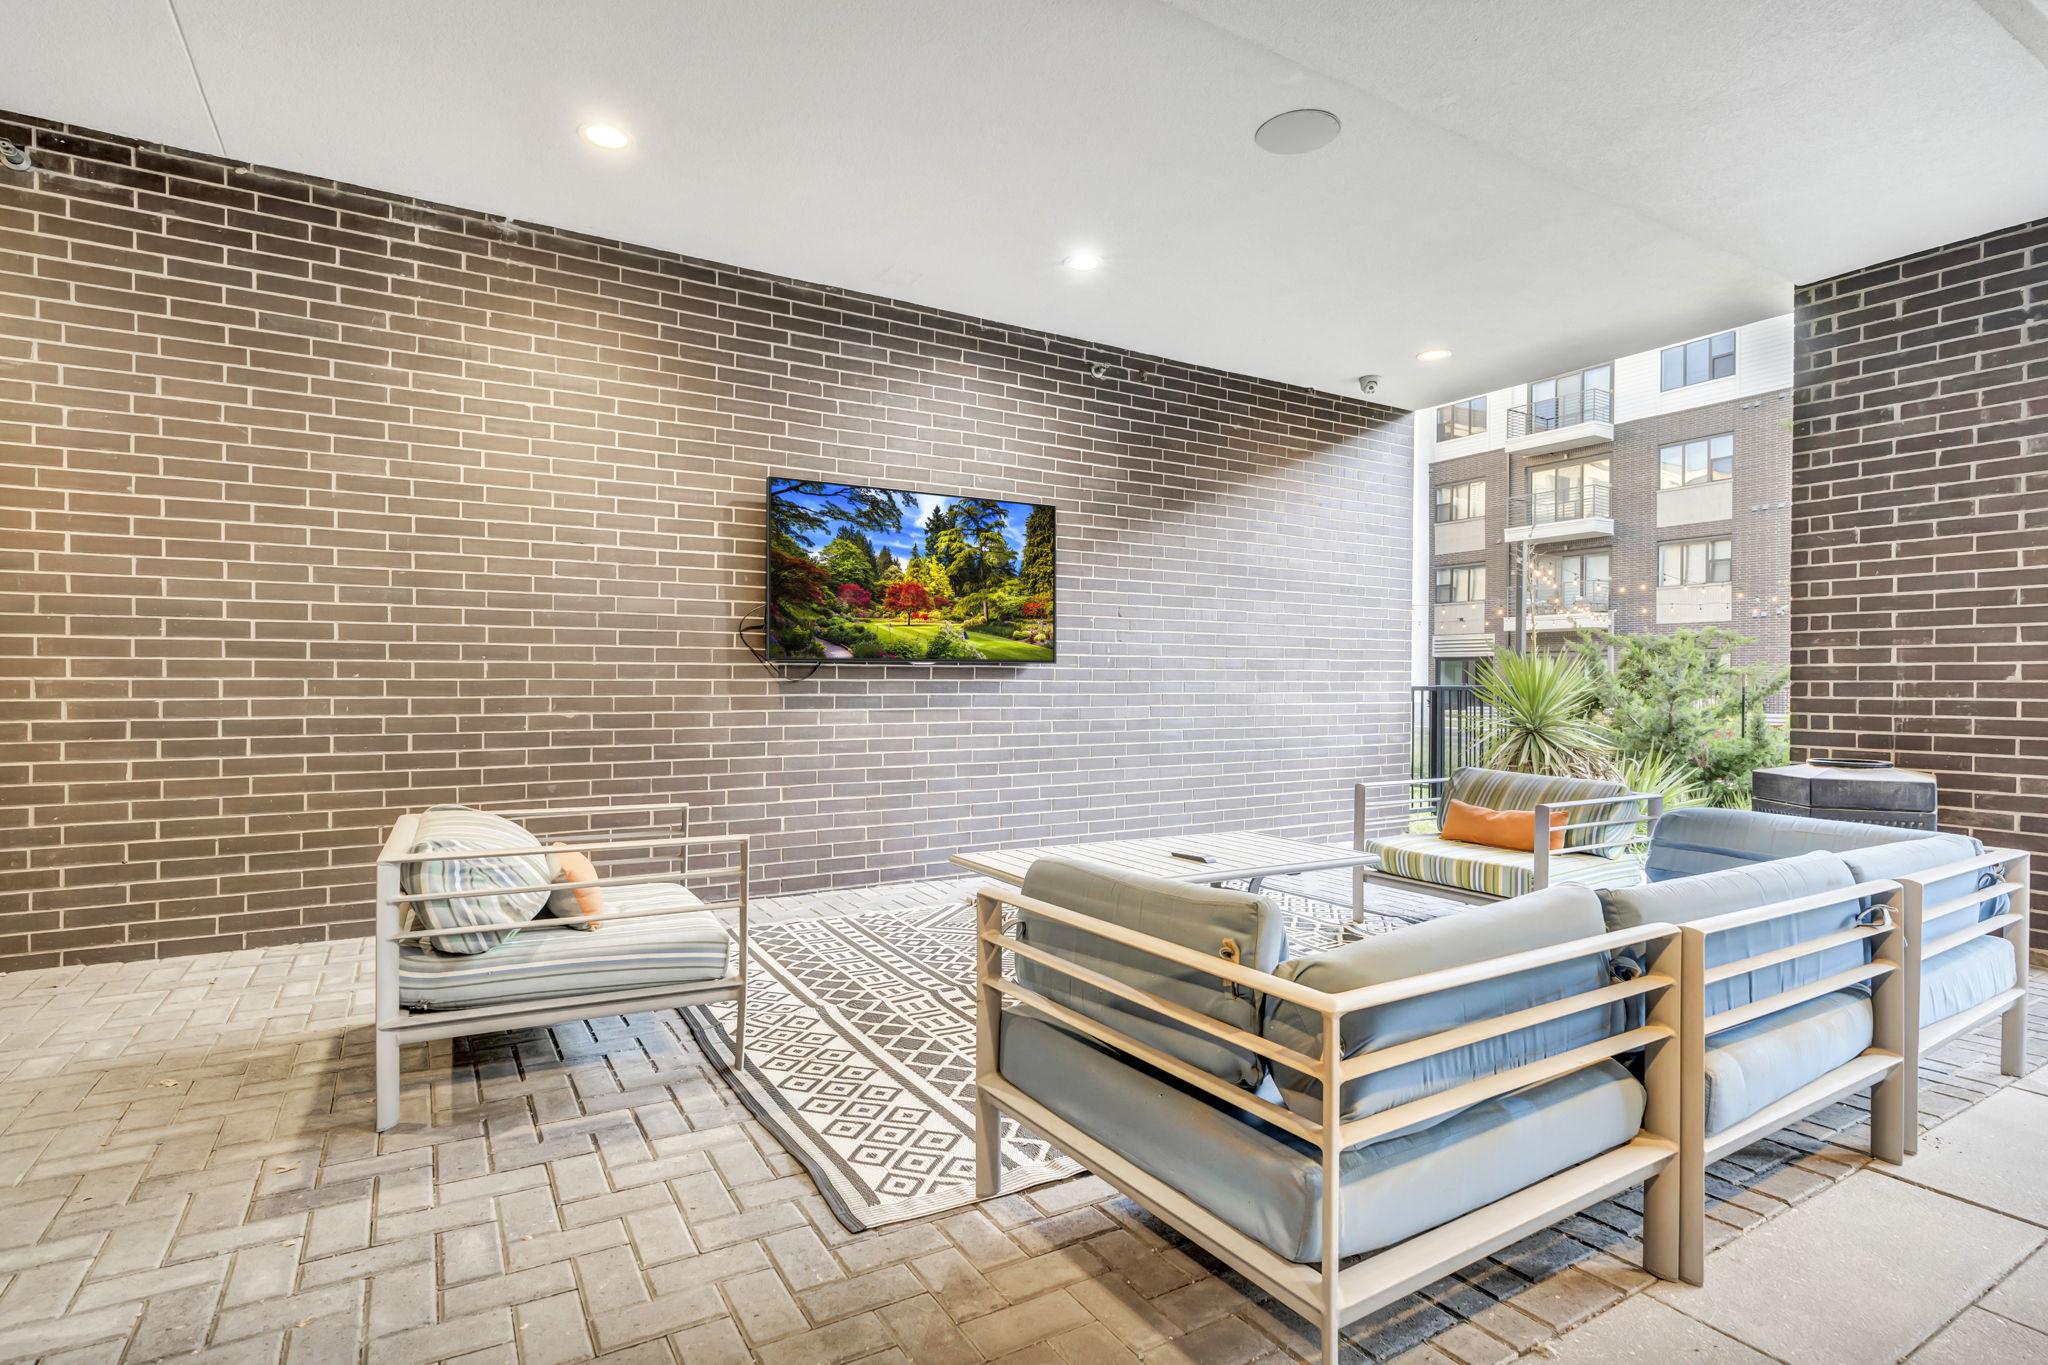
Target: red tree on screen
[
  {"x": 855, "y": 597},
  {"x": 906, "y": 597}
]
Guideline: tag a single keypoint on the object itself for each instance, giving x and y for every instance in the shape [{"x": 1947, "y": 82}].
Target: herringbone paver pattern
[{"x": 187, "y": 1170}]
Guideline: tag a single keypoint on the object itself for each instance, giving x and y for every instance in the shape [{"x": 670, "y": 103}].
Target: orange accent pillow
[
  {"x": 1500, "y": 828},
  {"x": 582, "y": 905}
]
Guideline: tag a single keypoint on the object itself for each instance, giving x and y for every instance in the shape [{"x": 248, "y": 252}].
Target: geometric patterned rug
[{"x": 860, "y": 1054}]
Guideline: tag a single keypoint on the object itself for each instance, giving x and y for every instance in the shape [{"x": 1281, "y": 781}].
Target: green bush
[
  {"x": 847, "y": 633},
  {"x": 950, "y": 642},
  {"x": 868, "y": 649}
]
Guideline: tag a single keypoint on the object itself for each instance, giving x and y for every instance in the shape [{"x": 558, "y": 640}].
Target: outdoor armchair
[
  {"x": 1398, "y": 819},
  {"x": 464, "y": 945},
  {"x": 1343, "y": 1127}
]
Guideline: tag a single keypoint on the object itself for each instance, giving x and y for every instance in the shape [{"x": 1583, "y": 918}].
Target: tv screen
[{"x": 863, "y": 575}]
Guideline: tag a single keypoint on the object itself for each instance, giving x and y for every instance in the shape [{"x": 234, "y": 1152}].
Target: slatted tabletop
[{"x": 1239, "y": 856}]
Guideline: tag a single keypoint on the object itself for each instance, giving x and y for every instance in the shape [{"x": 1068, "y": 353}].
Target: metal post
[{"x": 1522, "y": 596}]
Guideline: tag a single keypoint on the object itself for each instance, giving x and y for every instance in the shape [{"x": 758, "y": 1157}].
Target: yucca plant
[
  {"x": 1539, "y": 716},
  {"x": 1677, "y": 780}
]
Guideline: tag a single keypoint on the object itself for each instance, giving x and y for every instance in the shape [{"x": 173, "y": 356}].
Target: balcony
[
  {"x": 1568, "y": 422},
  {"x": 1582, "y": 512},
  {"x": 1590, "y": 608}
]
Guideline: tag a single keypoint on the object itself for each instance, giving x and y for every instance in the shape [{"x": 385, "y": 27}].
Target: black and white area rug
[{"x": 860, "y": 1052}]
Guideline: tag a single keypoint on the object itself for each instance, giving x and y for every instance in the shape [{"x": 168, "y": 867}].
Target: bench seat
[
  {"x": 1267, "y": 1184},
  {"x": 552, "y": 964}
]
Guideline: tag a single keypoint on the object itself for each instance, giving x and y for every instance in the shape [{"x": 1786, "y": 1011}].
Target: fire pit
[{"x": 1867, "y": 790}]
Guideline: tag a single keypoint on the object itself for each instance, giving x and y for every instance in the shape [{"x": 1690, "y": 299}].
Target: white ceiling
[{"x": 1533, "y": 184}]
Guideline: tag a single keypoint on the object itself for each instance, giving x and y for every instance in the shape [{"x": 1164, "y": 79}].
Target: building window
[
  {"x": 1461, "y": 583},
  {"x": 1698, "y": 361},
  {"x": 1457, "y": 672},
  {"x": 1686, "y": 563},
  {"x": 1565, "y": 582},
  {"x": 1461, "y": 419},
  {"x": 1461, "y": 501},
  {"x": 1571, "y": 398},
  {"x": 1707, "y": 460}
]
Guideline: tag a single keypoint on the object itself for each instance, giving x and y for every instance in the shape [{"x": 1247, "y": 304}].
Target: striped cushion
[
  {"x": 1498, "y": 790},
  {"x": 456, "y": 829},
  {"x": 558, "y": 964},
  {"x": 1502, "y": 872}
]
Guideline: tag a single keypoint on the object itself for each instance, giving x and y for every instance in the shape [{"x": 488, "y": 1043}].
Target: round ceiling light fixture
[
  {"x": 1298, "y": 131},
  {"x": 1084, "y": 260},
  {"x": 1433, "y": 353},
  {"x": 605, "y": 136}
]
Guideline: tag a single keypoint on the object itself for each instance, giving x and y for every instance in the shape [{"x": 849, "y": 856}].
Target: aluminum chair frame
[
  {"x": 397, "y": 1026},
  {"x": 1330, "y": 1294}
]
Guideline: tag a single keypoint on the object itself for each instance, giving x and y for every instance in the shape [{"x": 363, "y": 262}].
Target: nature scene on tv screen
[{"x": 877, "y": 575}]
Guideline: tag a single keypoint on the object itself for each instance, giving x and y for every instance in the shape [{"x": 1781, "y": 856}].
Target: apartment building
[{"x": 1639, "y": 493}]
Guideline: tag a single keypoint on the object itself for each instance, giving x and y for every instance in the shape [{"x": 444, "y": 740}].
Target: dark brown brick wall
[
  {"x": 323, "y": 504},
  {"x": 1920, "y": 527}
]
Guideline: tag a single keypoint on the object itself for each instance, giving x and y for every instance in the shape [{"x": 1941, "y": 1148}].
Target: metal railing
[
  {"x": 1596, "y": 595},
  {"x": 1447, "y": 729},
  {"x": 1566, "y": 410},
  {"x": 1539, "y": 509}
]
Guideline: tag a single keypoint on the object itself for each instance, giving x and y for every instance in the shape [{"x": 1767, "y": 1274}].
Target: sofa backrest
[
  {"x": 1541, "y": 919},
  {"x": 1685, "y": 899},
  {"x": 1707, "y": 839},
  {"x": 1226, "y": 925},
  {"x": 456, "y": 829},
  {"x": 1497, "y": 790},
  {"x": 1911, "y": 857}
]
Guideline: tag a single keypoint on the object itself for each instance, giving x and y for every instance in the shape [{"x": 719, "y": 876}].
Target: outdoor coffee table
[{"x": 1236, "y": 857}]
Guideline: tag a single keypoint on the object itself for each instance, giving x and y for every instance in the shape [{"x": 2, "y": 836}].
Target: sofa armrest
[{"x": 1416, "y": 808}]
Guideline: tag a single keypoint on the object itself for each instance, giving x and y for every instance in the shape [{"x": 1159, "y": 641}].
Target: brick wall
[
  {"x": 1920, "y": 527},
  {"x": 324, "y": 504}
]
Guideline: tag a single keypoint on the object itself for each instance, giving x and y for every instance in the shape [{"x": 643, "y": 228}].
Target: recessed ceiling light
[
  {"x": 1298, "y": 131},
  {"x": 604, "y": 135},
  {"x": 1083, "y": 260},
  {"x": 1434, "y": 353}
]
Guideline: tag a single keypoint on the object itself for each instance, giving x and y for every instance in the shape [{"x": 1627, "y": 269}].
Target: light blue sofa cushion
[
  {"x": 1268, "y": 1184},
  {"x": 1745, "y": 888},
  {"x": 1707, "y": 839},
  {"x": 1889, "y": 862},
  {"x": 1540, "y": 919},
  {"x": 1767, "y": 1059},
  {"x": 1208, "y": 919},
  {"x": 1967, "y": 974}
]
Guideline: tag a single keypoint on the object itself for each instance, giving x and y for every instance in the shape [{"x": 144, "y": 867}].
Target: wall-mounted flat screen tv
[{"x": 864, "y": 575}]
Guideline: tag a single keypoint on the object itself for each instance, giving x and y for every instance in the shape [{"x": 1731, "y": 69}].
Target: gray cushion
[
  {"x": 1967, "y": 974},
  {"x": 1745, "y": 888},
  {"x": 1707, "y": 839},
  {"x": 1204, "y": 918},
  {"x": 1268, "y": 1184},
  {"x": 1767, "y": 1059},
  {"x": 1889, "y": 862},
  {"x": 534, "y": 964},
  {"x": 1540, "y": 919}
]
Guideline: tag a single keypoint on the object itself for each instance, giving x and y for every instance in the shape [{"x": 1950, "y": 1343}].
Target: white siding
[
  {"x": 1702, "y": 502},
  {"x": 1763, "y": 364}
]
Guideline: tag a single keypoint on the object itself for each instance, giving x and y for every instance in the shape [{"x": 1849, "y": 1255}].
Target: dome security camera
[{"x": 1368, "y": 384}]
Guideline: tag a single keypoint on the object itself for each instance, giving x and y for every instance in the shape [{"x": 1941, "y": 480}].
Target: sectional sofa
[{"x": 1345, "y": 1126}]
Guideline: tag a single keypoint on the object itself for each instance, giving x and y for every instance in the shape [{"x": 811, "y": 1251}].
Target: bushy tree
[
  {"x": 854, "y": 597},
  {"x": 929, "y": 574},
  {"x": 1036, "y": 575},
  {"x": 1680, "y": 697},
  {"x": 850, "y": 558},
  {"x": 906, "y": 597}
]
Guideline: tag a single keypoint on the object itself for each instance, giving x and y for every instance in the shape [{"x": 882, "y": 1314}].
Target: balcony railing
[
  {"x": 1597, "y": 595},
  {"x": 1539, "y": 509},
  {"x": 1568, "y": 410}
]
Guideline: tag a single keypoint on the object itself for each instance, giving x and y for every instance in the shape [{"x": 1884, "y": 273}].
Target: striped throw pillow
[{"x": 458, "y": 829}]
